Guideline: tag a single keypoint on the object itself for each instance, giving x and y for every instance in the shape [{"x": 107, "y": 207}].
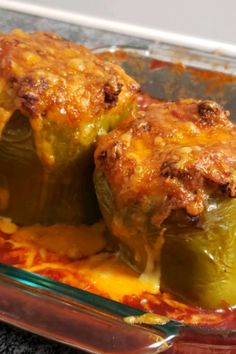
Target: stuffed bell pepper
[
  {"x": 56, "y": 98},
  {"x": 166, "y": 183}
]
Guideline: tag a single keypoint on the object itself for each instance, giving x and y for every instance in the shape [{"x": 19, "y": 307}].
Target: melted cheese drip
[
  {"x": 108, "y": 273},
  {"x": 84, "y": 246},
  {"x": 103, "y": 273}
]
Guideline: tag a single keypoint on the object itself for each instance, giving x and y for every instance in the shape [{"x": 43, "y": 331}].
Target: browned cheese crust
[
  {"x": 175, "y": 154},
  {"x": 44, "y": 75}
]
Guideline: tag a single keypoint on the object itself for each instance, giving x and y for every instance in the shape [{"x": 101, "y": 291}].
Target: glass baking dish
[{"x": 91, "y": 322}]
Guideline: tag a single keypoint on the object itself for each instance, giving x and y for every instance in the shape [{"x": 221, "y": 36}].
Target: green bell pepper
[{"x": 198, "y": 260}]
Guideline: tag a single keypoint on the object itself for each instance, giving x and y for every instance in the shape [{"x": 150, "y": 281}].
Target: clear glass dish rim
[
  {"x": 195, "y": 58},
  {"x": 64, "y": 292}
]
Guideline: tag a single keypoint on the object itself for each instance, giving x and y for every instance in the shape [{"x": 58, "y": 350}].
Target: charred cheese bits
[
  {"x": 166, "y": 181},
  {"x": 56, "y": 98}
]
